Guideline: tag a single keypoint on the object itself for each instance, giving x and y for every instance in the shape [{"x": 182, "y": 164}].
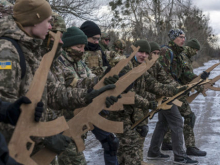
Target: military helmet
[
  {"x": 119, "y": 44},
  {"x": 105, "y": 35},
  {"x": 58, "y": 23}
]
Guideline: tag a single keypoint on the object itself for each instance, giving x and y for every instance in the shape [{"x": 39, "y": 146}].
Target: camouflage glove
[
  {"x": 111, "y": 100},
  {"x": 142, "y": 130},
  {"x": 153, "y": 105},
  {"x": 94, "y": 93},
  {"x": 199, "y": 88},
  {"x": 57, "y": 143},
  {"x": 178, "y": 90},
  {"x": 205, "y": 75},
  {"x": 111, "y": 80}
]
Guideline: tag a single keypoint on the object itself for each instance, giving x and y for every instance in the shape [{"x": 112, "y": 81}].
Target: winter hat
[
  {"x": 90, "y": 28},
  {"x": 154, "y": 46},
  {"x": 173, "y": 33},
  {"x": 58, "y": 23},
  {"x": 73, "y": 36},
  {"x": 194, "y": 43},
  {"x": 31, "y": 12},
  {"x": 105, "y": 35},
  {"x": 144, "y": 46}
]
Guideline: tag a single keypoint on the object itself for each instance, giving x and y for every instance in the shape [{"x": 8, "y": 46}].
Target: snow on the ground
[{"x": 207, "y": 128}]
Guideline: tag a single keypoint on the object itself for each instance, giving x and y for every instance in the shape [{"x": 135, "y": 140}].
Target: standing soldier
[
  {"x": 172, "y": 64},
  {"x": 191, "y": 49},
  {"x": 119, "y": 46},
  {"x": 105, "y": 39}
]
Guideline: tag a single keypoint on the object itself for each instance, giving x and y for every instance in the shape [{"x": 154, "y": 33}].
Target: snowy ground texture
[{"x": 207, "y": 129}]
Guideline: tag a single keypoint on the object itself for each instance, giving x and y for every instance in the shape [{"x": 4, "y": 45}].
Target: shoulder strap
[{"x": 21, "y": 55}]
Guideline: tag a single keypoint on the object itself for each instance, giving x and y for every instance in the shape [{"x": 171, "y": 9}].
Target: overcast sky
[{"x": 211, "y": 7}]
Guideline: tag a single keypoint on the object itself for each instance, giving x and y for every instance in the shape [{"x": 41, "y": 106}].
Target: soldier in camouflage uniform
[
  {"x": 21, "y": 27},
  {"x": 6, "y": 8},
  {"x": 115, "y": 55},
  {"x": 191, "y": 49},
  {"x": 105, "y": 39},
  {"x": 173, "y": 65},
  {"x": 131, "y": 141}
]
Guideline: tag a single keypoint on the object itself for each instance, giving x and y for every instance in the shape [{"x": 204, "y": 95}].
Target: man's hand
[
  {"x": 142, "y": 130},
  {"x": 57, "y": 143},
  {"x": 153, "y": 105},
  {"x": 180, "y": 89},
  {"x": 205, "y": 75},
  {"x": 111, "y": 80},
  {"x": 111, "y": 100},
  {"x": 94, "y": 93},
  {"x": 199, "y": 88}
]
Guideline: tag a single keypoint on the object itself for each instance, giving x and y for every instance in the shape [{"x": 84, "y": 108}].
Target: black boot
[
  {"x": 185, "y": 160},
  {"x": 194, "y": 151},
  {"x": 166, "y": 146}
]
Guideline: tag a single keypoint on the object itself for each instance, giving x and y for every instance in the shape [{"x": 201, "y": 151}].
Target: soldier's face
[
  {"x": 180, "y": 40},
  {"x": 106, "y": 41},
  {"x": 79, "y": 47},
  {"x": 41, "y": 30},
  {"x": 141, "y": 56},
  {"x": 155, "y": 52},
  {"x": 94, "y": 39}
]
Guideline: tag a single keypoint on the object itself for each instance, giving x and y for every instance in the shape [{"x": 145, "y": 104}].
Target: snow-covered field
[{"x": 207, "y": 128}]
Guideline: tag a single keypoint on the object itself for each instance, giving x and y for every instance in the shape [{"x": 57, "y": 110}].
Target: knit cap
[
  {"x": 73, "y": 36},
  {"x": 31, "y": 12},
  {"x": 90, "y": 29},
  {"x": 173, "y": 33},
  {"x": 194, "y": 43},
  {"x": 154, "y": 46},
  {"x": 144, "y": 46}
]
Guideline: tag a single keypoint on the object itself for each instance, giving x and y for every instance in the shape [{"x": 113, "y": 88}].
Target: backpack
[{"x": 21, "y": 55}]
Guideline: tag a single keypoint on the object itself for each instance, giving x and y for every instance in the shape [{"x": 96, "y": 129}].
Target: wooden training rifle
[
  {"x": 84, "y": 119},
  {"x": 26, "y": 126}
]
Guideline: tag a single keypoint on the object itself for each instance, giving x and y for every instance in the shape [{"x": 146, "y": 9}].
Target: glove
[
  {"x": 205, "y": 75},
  {"x": 142, "y": 130},
  {"x": 178, "y": 90},
  {"x": 199, "y": 88},
  {"x": 111, "y": 100},
  {"x": 153, "y": 105},
  {"x": 94, "y": 93},
  {"x": 57, "y": 143},
  {"x": 38, "y": 111},
  {"x": 13, "y": 110},
  {"x": 111, "y": 80}
]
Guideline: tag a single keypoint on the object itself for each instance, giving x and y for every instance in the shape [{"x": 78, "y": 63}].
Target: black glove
[
  {"x": 111, "y": 80},
  {"x": 94, "y": 93},
  {"x": 153, "y": 105},
  {"x": 142, "y": 130},
  {"x": 13, "y": 110},
  {"x": 111, "y": 100},
  {"x": 38, "y": 111},
  {"x": 57, "y": 143},
  {"x": 182, "y": 88},
  {"x": 205, "y": 75}
]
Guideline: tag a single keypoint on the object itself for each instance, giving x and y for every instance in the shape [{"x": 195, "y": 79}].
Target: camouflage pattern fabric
[
  {"x": 6, "y": 8},
  {"x": 185, "y": 109},
  {"x": 120, "y": 44},
  {"x": 103, "y": 46},
  {"x": 58, "y": 23},
  {"x": 114, "y": 57},
  {"x": 93, "y": 59}
]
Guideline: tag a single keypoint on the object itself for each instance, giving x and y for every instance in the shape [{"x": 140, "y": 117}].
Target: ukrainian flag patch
[{"x": 5, "y": 65}]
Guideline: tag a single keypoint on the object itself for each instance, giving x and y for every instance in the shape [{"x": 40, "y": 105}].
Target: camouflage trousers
[
  {"x": 71, "y": 156},
  {"x": 130, "y": 150},
  {"x": 188, "y": 116}
]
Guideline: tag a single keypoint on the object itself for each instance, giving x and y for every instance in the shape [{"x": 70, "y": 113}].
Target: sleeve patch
[{"x": 5, "y": 65}]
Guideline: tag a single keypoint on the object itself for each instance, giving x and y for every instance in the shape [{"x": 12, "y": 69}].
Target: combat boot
[
  {"x": 160, "y": 156},
  {"x": 185, "y": 160},
  {"x": 194, "y": 151},
  {"x": 166, "y": 146}
]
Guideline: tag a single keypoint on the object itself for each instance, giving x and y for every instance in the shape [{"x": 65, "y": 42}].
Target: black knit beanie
[
  {"x": 144, "y": 46},
  {"x": 194, "y": 43},
  {"x": 154, "y": 46},
  {"x": 73, "y": 36},
  {"x": 90, "y": 28}
]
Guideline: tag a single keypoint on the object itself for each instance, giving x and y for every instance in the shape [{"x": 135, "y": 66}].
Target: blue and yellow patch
[{"x": 5, "y": 65}]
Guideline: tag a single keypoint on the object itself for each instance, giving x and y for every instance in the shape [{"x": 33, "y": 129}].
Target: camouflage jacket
[
  {"x": 114, "y": 57},
  {"x": 186, "y": 57},
  {"x": 174, "y": 68},
  {"x": 93, "y": 59},
  {"x": 6, "y": 8}
]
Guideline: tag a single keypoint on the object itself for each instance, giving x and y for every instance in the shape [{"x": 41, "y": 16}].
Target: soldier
[
  {"x": 9, "y": 113},
  {"x": 72, "y": 89},
  {"x": 6, "y": 8},
  {"x": 105, "y": 39},
  {"x": 28, "y": 26},
  {"x": 131, "y": 141},
  {"x": 172, "y": 64},
  {"x": 115, "y": 55},
  {"x": 191, "y": 49}
]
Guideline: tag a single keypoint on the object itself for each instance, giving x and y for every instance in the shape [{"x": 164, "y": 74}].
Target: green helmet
[
  {"x": 120, "y": 44},
  {"x": 105, "y": 35},
  {"x": 58, "y": 23}
]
